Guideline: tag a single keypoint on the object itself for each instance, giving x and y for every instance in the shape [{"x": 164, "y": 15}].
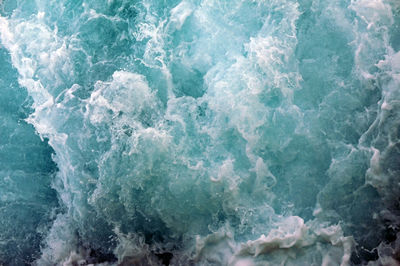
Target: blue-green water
[{"x": 200, "y": 132}]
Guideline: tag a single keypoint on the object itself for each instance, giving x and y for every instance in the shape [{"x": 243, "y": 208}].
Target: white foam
[{"x": 180, "y": 13}]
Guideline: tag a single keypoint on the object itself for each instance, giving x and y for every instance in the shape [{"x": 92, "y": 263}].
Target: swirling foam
[{"x": 214, "y": 132}]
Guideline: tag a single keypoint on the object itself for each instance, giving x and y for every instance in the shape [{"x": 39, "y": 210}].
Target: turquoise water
[{"x": 200, "y": 132}]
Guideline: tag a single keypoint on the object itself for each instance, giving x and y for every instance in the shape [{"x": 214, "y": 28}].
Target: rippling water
[{"x": 200, "y": 132}]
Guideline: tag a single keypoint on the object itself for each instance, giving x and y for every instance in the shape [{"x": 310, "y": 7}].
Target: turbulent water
[{"x": 200, "y": 132}]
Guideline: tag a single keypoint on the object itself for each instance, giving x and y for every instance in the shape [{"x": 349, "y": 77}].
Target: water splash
[{"x": 209, "y": 132}]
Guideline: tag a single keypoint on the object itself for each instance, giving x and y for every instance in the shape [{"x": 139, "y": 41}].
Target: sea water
[{"x": 199, "y": 132}]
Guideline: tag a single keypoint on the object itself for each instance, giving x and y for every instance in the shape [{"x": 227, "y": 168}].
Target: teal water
[{"x": 200, "y": 132}]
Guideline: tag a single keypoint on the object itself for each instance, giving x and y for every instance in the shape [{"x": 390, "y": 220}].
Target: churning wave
[{"x": 200, "y": 132}]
